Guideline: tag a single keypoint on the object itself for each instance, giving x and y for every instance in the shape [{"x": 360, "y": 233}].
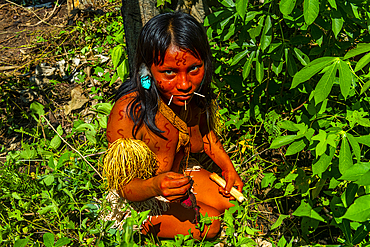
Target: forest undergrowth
[{"x": 292, "y": 90}]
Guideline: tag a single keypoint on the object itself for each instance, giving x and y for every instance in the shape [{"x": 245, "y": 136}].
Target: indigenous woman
[{"x": 162, "y": 114}]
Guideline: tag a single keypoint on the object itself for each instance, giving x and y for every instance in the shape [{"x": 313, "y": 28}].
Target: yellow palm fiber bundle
[{"x": 127, "y": 159}]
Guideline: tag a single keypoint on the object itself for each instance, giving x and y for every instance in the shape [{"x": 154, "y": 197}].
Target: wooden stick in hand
[{"x": 234, "y": 192}]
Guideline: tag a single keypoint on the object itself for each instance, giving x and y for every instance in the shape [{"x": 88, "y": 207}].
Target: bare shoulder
[{"x": 120, "y": 123}]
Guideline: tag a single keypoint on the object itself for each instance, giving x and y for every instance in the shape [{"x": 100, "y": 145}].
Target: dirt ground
[{"x": 20, "y": 27}]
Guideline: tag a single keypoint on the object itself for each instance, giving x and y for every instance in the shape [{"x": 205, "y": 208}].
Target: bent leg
[
  {"x": 206, "y": 191},
  {"x": 178, "y": 220}
]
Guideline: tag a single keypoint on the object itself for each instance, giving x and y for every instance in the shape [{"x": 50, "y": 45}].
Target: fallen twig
[
  {"x": 33, "y": 12},
  {"x": 69, "y": 145}
]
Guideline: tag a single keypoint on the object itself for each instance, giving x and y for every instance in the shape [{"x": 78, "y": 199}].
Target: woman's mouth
[{"x": 183, "y": 97}]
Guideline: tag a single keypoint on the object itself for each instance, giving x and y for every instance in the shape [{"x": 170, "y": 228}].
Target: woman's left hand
[{"x": 232, "y": 179}]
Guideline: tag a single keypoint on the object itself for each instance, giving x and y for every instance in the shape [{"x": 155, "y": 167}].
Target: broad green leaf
[
  {"x": 228, "y": 3},
  {"x": 310, "y": 10},
  {"x": 37, "y": 108},
  {"x": 251, "y": 15},
  {"x": 103, "y": 108},
  {"x": 279, "y": 221},
  {"x": 358, "y": 118},
  {"x": 333, "y": 3},
  {"x": 28, "y": 152},
  {"x": 266, "y": 34},
  {"x": 324, "y": 161},
  {"x": 268, "y": 178},
  {"x": 359, "y": 210},
  {"x": 248, "y": 65},
  {"x": 290, "y": 62},
  {"x": 62, "y": 242},
  {"x": 56, "y": 141},
  {"x": 356, "y": 171},
  {"x": 116, "y": 54},
  {"x": 363, "y": 62},
  {"x": 365, "y": 140},
  {"x": 295, "y": 147},
  {"x": 364, "y": 179},
  {"x": 323, "y": 87},
  {"x": 48, "y": 180},
  {"x": 255, "y": 31},
  {"x": 349, "y": 194},
  {"x": 345, "y": 156},
  {"x": 305, "y": 209},
  {"x": 282, "y": 140},
  {"x": 114, "y": 79},
  {"x": 318, "y": 187},
  {"x": 286, "y": 6},
  {"x": 355, "y": 146},
  {"x": 361, "y": 48},
  {"x": 336, "y": 22},
  {"x": 239, "y": 57},
  {"x": 345, "y": 78},
  {"x": 15, "y": 195},
  {"x": 123, "y": 70},
  {"x": 48, "y": 239},
  {"x": 230, "y": 32},
  {"x": 365, "y": 87},
  {"x": 311, "y": 69},
  {"x": 21, "y": 242},
  {"x": 345, "y": 226},
  {"x": 360, "y": 234},
  {"x": 303, "y": 58},
  {"x": 259, "y": 67},
  {"x": 288, "y": 125},
  {"x": 241, "y": 7}
]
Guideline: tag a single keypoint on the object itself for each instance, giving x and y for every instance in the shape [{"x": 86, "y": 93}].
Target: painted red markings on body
[
  {"x": 109, "y": 118},
  {"x": 121, "y": 134},
  {"x": 165, "y": 160},
  {"x": 155, "y": 145},
  {"x": 109, "y": 138},
  {"x": 128, "y": 191},
  {"x": 160, "y": 84},
  {"x": 121, "y": 114},
  {"x": 168, "y": 129},
  {"x": 168, "y": 148},
  {"x": 146, "y": 140},
  {"x": 123, "y": 98}
]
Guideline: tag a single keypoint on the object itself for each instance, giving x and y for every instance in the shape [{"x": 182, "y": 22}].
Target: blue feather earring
[{"x": 145, "y": 76}]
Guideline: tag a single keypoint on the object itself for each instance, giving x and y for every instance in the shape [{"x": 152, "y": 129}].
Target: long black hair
[{"x": 157, "y": 35}]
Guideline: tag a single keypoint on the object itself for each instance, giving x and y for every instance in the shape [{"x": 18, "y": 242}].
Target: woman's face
[{"x": 180, "y": 75}]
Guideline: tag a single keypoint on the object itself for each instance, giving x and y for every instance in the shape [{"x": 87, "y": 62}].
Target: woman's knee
[{"x": 213, "y": 229}]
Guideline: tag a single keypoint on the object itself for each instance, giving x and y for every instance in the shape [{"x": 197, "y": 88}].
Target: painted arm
[
  {"x": 168, "y": 184},
  {"x": 217, "y": 153}
]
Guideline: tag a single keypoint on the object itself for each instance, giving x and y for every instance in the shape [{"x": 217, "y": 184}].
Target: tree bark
[{"x": 135, "y": 14}]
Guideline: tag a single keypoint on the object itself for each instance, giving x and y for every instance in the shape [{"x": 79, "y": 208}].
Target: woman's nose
[{"x": 183, "y": 83}]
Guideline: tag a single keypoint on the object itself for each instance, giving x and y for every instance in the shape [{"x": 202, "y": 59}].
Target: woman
[{"x": 161, "y": 115}]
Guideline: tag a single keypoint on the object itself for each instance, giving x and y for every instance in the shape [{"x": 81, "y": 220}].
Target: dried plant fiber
[{"x": 127, "y": 159}]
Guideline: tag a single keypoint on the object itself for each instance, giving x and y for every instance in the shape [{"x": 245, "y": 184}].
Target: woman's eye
[
  {"x": 168, "y": 72},
  {"x": 194, "y": 68}
]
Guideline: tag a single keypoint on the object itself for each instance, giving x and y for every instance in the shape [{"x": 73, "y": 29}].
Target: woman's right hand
[{"x": 171, "y": 185}]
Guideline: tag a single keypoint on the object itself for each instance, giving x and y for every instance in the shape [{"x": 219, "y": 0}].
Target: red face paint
[{"x": 180, "y": 75}]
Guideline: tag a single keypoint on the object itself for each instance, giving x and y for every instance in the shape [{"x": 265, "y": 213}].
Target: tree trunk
[{"x": 135, "y": 14}]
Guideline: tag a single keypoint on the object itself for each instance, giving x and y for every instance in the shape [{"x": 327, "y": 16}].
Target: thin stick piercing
[
  {"x": 185, "y": 105},
  {"x": 170, "y": 100},
  {"x": 201, "y": 95}
]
